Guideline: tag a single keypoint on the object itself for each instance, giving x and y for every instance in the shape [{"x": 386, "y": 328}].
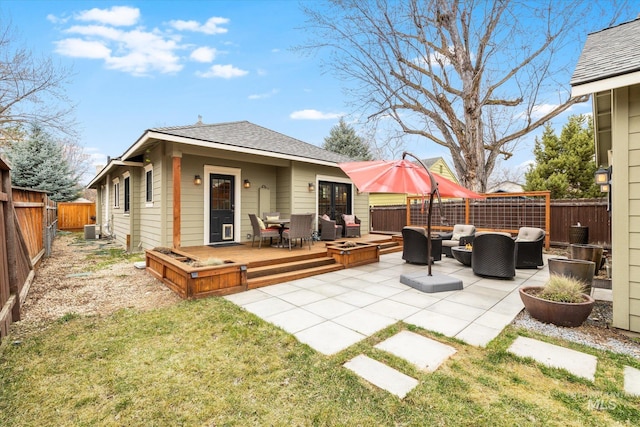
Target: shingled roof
[
  {"x": 609, "y": 53},
  {"x": 244, "y": 134}
]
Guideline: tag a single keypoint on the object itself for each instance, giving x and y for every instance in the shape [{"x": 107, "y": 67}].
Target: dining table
[{"x": 282, "y": 222}]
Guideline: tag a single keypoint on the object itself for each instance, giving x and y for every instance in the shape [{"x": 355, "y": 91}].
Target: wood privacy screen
[
  {"x": 505, "y": 211},
  {"x": 74, "y": 216}
]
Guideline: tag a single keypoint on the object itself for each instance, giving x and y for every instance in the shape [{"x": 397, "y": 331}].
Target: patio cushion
[
  {"x": 273, "y": 218},
  {"x": 349, "y": 219},
  {"x": 529, "y": 234},
  {"x": 326, "y": 217},
  {"x": 261, "y": 224}
]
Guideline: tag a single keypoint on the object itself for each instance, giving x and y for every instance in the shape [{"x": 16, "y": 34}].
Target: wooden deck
[
  {"x": 249, "y": 267},
  {"x": 253, "y": 257}
]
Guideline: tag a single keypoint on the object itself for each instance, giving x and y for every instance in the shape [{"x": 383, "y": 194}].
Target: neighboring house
[
  {"x": 435, "y": 164},
  {"x": 506, "y": 187},
  {"x": 609, "y": 71},
  {"x": 195, "y": 185}
]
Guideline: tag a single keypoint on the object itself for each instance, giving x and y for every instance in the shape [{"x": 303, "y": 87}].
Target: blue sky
[{"x": 144, "y": 64}]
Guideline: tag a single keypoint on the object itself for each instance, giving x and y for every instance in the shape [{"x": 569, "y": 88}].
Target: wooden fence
[
  {"x": 563, "y": 214},
  {"x": 73, "y": 216},
  {"x": 37, "y": 216},
  {"x": 16, "y": 268}
]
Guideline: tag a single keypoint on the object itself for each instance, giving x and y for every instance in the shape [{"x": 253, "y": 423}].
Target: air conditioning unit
[{"x": 90, "y": 232}]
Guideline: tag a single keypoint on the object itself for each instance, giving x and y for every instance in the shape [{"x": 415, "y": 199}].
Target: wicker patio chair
[
  {"x": 493, "y": 255},
  {"x": 329, "y": 230},
  {"x": 351, "y": 224},
  {"x": 460, "y": 236},
  {"x": 529, "y": 245},
  {"x": 260, "y": 231},
  {"x": 299, "y": 228},
  {"x": 414, "y": 246}
]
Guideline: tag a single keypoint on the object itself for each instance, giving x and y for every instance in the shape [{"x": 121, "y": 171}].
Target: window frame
[
  {"x": 127, "y": 193},
  {"x": 116, "y": 193},
  {"x": 148, "y": 174}
]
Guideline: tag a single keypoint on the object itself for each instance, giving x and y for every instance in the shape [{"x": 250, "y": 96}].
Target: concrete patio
[{"x": 333, "y": 311}]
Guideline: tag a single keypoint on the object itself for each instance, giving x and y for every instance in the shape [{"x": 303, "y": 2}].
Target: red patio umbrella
[{"x": 403, "y": 176}]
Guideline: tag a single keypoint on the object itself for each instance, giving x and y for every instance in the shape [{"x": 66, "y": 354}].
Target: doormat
[{"x": 224, "y": 245}]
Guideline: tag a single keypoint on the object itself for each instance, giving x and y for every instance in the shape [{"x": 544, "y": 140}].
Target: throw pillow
[
  {"x": 326, "y": 217},
  {"x": 273, "y": 218},
  {"x": 261, "y": 224},
  {"x": 456, "y": 236},
  {"x": 349, "y": 219}
]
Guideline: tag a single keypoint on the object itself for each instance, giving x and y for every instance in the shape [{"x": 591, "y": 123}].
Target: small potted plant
[{"x": 562, "y": 301}]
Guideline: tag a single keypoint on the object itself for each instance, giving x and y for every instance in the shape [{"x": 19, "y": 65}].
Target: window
[
  {"x": 127, "y": 194},
  {"x": 116, "y": 193},
  {"x": 149, "y": 185}
]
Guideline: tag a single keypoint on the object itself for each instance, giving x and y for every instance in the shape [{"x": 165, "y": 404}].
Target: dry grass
[{"x": 208, "y": 362}]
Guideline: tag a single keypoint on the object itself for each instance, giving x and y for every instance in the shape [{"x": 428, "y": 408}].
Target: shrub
[{"x": 563, "y": 289}]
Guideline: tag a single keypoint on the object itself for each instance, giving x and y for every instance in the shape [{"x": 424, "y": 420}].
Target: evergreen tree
[
  {"x": 38, "y": 162},
  {"x": 342, "y": 139},
  {"x": 565, "y": 165}
]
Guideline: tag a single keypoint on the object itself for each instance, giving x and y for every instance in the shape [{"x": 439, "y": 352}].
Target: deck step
[
  {"x": 389, "y": 247},
  {"x": 271, "y": 269},
  {"x": 272, "y": 279}
]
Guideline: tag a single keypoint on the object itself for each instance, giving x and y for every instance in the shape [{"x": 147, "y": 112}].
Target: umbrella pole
[
  {"x": 429, "y": 234},
  {"x": 434, "y": 190}
]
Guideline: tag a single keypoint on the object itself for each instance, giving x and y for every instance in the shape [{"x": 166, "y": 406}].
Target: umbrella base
[{"x": 430, "y": 284}]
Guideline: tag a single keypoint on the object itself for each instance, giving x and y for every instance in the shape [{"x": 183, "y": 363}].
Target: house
[
  {"x": 435, "y": 164},
  {"x": 195, "y": 185},
  {"x": 609, "y": 71},
  {"x": 506, "y": 187}
]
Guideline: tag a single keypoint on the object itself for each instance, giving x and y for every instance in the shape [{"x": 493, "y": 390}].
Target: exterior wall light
[
  {"x": 246, "y": 184},
  {"x": 602, "y": 179},
  {"x": 197, "y": 180},
  {"x": 312, "y": 187}
]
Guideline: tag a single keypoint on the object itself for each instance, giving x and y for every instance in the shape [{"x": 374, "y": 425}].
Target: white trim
[
  {"x": 605, "y": 84},
  {"x": 147, "y": 168},
  {"x": 126, "y": 174},
  {"x": 215, "y": 145},
  {"x": 237, "y": 208}
]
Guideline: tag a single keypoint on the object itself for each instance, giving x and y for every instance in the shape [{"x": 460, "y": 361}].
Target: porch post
[{"x": 177, "y": 169}]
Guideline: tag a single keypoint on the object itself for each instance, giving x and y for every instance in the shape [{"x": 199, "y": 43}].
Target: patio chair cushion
[
  {"x": 261, "y": 224},
  {"x": 529, "y": 234},
  {"x": 273, "y": 218},
  {"x": 326, "y": 217},
  {"x": 349, "y": 219}
]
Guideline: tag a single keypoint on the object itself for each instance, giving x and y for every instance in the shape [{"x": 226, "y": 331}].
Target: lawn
[{"x": 208, "y": 362}]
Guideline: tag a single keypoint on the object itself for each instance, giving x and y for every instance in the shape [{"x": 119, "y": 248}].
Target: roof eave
[
  {"x": 149, "y": 134},
  {"x": 610, "y": 83}
]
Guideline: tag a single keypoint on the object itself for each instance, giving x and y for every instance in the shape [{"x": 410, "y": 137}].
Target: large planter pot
[
  {"x": 591, "y": 253},
  {"x": 558, "y": 313},
  {"x": 576, "y": 268}
]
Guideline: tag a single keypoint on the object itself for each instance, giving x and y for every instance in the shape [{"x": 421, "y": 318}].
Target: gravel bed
[{"x": 595, "y": 332}]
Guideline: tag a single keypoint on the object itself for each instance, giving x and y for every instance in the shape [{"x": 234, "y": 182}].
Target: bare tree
[
  {"x": 32, "y": 90},
  {"x": 471, "y": 75}
]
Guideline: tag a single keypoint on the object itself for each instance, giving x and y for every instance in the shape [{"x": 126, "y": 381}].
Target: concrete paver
[
  {"x": 578, "y": 363},
  {"x": 382, "y": 376},
  {"x": 632, "y": 380},
  {"x": 426, "y": 354}
]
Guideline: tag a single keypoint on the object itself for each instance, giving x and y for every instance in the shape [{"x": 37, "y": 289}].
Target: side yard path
[{"x": 88, "y": 278}]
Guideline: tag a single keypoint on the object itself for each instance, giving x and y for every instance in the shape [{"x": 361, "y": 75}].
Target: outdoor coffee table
[{"x": 462, "y": 254}]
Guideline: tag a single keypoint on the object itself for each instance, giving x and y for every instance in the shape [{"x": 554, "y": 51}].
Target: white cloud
[
  {"x": 542, "y": 109},
  {"x": 117, "y": 15},
  {"x": 99, "y": 34},
  {"x": 204, "y": 54},
  {"x": 314, "y": 115},
  {"x": 223, "y": 71},
  {"x": 79, "y": 48},
  {"x": 264, "y": 95},
  {"x": 212, "y": 26},
  {"x": 137, "y": 52}
]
